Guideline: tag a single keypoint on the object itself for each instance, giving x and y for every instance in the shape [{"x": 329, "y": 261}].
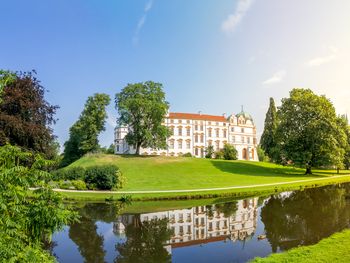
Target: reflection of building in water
[{"x": 202, "y": 224}]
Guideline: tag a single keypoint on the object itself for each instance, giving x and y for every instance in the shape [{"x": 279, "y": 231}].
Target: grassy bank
[
  {"x": 332, "y": 249},
  {"x": 170, "y": 173}
]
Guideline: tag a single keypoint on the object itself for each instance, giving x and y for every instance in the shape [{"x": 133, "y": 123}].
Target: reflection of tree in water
[
  {"x": 305, "y": 217},
  {"x": 84, "y": 233},
  {"x": 145, "y": 242},
  {"x": 228, "y": 209}
]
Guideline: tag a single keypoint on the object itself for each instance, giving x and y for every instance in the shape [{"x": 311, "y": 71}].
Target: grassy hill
[{"x": 173, "y": 173}]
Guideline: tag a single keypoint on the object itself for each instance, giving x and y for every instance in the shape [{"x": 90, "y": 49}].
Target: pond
[{"x": 233, "y": 231}]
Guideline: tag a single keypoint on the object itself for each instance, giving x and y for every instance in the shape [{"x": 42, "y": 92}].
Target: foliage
[
  {"x": 344, "y": 124},
  {"x": 25, "y": 115},
  {"x": 219, "y": 154},
  {"x": 228, "y": 208},
  {"x": 268, "y": 140},
  {"x": 209, "y": 152},
  {"x": 104, "y": 177},
  {"x": 79, "y": 184},
  {"x": 83, "y": 135},
  {"x": 187, "y": 155},
  {"x": 261, "y": 154},
  {"x": 70, "y": 173},
  {"x": 27, "y": 219},
  {"x": 308, "y": 133},
  {"x": 229, "y": 152},
  {"x": 145, "y": 242},
  {"x": 142, "y": 107}
]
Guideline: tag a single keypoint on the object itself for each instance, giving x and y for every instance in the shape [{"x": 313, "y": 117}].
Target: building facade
[
  {"x": 202, "y": 224},
  {"x": 193, "y": 133}
]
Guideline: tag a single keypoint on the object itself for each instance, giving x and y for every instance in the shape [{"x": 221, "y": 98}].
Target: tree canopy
[
  {"x": 25, "y": 115},
  {"x": 83, "y": 135},
  {"x": 142, "y": 107},
  {"x": 267, "y": 141},
  {"x": 27, "y": 218},
  {"x": 308, "y": 132}
]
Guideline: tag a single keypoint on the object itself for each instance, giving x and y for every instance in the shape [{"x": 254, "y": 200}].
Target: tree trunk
[
  {"x": 138, "y": 146},
  {"x": 338, "y": 170},
  {"x": 308, "y": 169}
]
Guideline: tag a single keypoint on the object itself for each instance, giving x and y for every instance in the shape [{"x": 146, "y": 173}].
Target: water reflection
[
  {"x": 213, "y": 233},
  {"x": 203, "y": 224}
]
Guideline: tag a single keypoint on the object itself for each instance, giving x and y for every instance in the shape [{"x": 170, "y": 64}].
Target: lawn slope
[{"x": 332, "y": 249}]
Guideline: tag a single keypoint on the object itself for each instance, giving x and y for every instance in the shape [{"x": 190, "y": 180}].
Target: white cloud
[
  {"x": 277, "y": 77},
  {"x": 233, "y": 20},
  {"x": 318, "y": 61},
  {"x": 141, "y": 22}
]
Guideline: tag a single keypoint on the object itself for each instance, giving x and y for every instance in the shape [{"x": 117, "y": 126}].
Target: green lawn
[
  {"x": 335, "y": 248},
  {"x": 176, "y": 173},
  {"x": 171, "y": 173}
]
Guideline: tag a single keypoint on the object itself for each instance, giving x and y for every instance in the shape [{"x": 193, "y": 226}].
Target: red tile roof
[{"x": 193, "y": 116}]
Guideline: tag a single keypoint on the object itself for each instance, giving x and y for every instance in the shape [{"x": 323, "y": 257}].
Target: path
[{"x": 197, "y": 190}]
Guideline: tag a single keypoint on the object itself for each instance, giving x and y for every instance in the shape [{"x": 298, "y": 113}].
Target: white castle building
[
  {"x": 193, "y": 133},
  {"x": 203, "y": 224}
]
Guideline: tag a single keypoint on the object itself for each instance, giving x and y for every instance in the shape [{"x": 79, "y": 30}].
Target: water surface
[{"x": 235, "y": 231}]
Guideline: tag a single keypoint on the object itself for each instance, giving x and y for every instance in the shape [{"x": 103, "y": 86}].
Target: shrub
[
  {"x": 187, "y": 155},
  {"x": 79, "y": 185},
  {"x": 209, "y": 152},
  {"x": 66, "y": 184},
  {"x": 74, "y": 173},
  {"x": 219, "y": 154},
  {"x": 104, "y": 177},
  {"x": 229, "y": 152}
]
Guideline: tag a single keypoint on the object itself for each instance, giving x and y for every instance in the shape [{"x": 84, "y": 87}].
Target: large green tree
[
  {"x": 142, "y": 107},
  {"x": 268, "y": 140},
  {"x": 25, "y": 115},
  {"x": 83, "y": 135},
  {"x": 308, "y": 133},
  {"x": 344, "y": 124}
]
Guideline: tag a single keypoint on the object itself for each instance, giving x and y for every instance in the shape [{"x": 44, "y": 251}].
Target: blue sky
[{"x": 211, "y": 56}]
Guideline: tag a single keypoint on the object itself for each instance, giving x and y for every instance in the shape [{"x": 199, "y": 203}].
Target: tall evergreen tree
[
  {"x": 83, "y": 135},
  {"x": 268, "y": 141}
]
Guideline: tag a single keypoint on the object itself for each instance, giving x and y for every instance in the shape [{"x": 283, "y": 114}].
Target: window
[
  {"x": 189, "y": 229},
  {"x": 217, "y": 124},
  {"x": 188, "y": 121},
  {"x": 248, "y": 139},
  {"x": 171, "y": 121},
  {"x": 171, "y": 144},
  {"x": 181, "y": 229},
  {"x": 233, "y": 139},
  {"x": 202, "y": 138},
  {"x": 180, "y": 121},
  {"x": 196, "y": 151},
  {"x": 202, "y": 222},
  {"x": 224, "y": 124},
  {"x": 180, "y": 131},
  {"x": 201, "y": 127},
  {"x": 181, "y": 217},
  {"x": 217, "y": 133},
  {"x": 232, "y": 129},
  {"x": 117, "y": 148},
  {"x": 202, "y": 152},
  {"x": 209, "y": 132},
  {"x": 217, "y": 225},
  {"x": 209, "y": 122},
  {"x": 217, "y": 145},
  {"x": 188, "y": 144},
  {"x": 196, "y": 127},
  {"x": 172, "y": 130},
  {"x": 188, "y": 131},
  {"x": 224, "y": 131},
  {"x": 196, "y": 138},
  {"x": 242, "y": 130},
  {"x": 179, "y": 144}
]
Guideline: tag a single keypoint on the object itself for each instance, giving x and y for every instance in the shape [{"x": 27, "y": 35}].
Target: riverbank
[
  {"x": 163, "y": 178},
  {"x": 332, "y": 249}
]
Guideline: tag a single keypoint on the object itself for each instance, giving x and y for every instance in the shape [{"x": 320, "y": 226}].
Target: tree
[
  {"x": 230, "y": 152},
  {"x": 209, "y": 152},
  {"x": 27, "y": 218},
  {"x": 344, "y": 124},
  {"x": 308, "y": 133},
  {"x": 142, "y": 107},
  {"x": 25, "y": 115},
  {"x": 268, "y": 140},
  {"x": 83, "y": 135}
]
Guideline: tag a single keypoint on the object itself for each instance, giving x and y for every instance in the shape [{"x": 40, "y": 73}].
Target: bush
[
  {"x": 79, "y": 185},
  {"x": 209, "y": 152},
  {"x": 229, "y": 152},
  {"x": 74, "y": 173},
  {"x": 187, "y": 155},
  {"x": 104, "y": 177},
  {"x": 219, "y": 154},
  {"x": 66, "y": 185}
]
